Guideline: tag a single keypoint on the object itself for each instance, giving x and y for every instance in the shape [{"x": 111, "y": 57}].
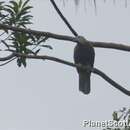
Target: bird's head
[{"x": 81, "y": 40}]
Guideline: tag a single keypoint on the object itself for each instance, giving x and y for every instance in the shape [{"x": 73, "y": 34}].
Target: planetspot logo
[{"x": 106, "y": 124}]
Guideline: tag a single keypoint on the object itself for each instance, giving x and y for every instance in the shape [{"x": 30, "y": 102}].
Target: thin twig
[
  {"x": 7, "y": 57},
  {"x": 2, "y": 34},
  {"x": 63, "y": 18},
  {"x": 3, "y": 64}
]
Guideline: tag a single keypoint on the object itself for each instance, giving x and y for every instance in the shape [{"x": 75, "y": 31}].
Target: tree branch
[
  {"x": 39, "y": 33},
  {"x": 63, "y": 18},
  {"x": 112, "y": 82},
  {"x": 44, "y": 57},
  {"x": 94, "y": 70},
  {"x": 111, "y": 45},
  {"x": 3, "y": 64},
  {"x": 7, "y": 57}
]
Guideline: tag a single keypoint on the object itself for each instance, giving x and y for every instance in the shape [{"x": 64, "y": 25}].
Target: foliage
[
  {"x": 17, "y": 13},
  {"x": 121, "y": 115}
]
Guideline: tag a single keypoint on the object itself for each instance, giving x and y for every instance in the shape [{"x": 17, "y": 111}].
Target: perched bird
[{"x": 84, "y": 54}]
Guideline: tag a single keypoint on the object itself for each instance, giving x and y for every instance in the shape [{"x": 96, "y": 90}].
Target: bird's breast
[{"x": 84, "y": 54}]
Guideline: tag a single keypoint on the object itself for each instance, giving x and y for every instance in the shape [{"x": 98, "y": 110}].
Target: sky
[{"x": 45, "y": 95}]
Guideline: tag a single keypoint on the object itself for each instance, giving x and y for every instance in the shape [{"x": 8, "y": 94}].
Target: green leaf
[
  {"x": 19, "y": 62},
  {"x": 27, "y": 17},
  {"x": 13, "y": 3},
  {"x": 26, "y": 8},
  {"x": 1, "y": 5},
  {"x": 129, "y": 119},
  {"x": 23, "y": 60},
  {"x": 25, "y": 3},
  {"x": 115, "y": 116},
  {"x": 24, "y": 23},
  {"x": 22, "y": 14},
  {"x": 15, "y": 6},
  {"x": 9, "y": 10},
  {"x": 2, "y": 2},
  {"x": 20, "y": 3}
]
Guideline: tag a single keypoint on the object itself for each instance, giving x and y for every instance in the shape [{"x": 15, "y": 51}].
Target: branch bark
[
  {"x": 111, "y": 45},
  {"x": 94, "y": 70},
  {"x": 44, "y": 57},
  {"x": 7, "y": 57},
  {"x": 108, "y": 45}
]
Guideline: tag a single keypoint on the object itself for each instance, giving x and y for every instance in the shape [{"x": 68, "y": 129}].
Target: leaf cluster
[
  {"x": 121, "y": 115},
  {"x": 17, "y": 13}
]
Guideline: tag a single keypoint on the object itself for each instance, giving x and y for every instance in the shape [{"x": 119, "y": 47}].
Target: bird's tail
[{"x": 84, "y": 82}]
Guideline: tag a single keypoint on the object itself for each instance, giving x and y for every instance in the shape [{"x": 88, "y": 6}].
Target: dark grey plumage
[{"x": 84, "y": 54}]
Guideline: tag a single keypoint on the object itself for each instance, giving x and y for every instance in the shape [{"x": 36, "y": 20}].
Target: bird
[{"x": 84, "y": 54}]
